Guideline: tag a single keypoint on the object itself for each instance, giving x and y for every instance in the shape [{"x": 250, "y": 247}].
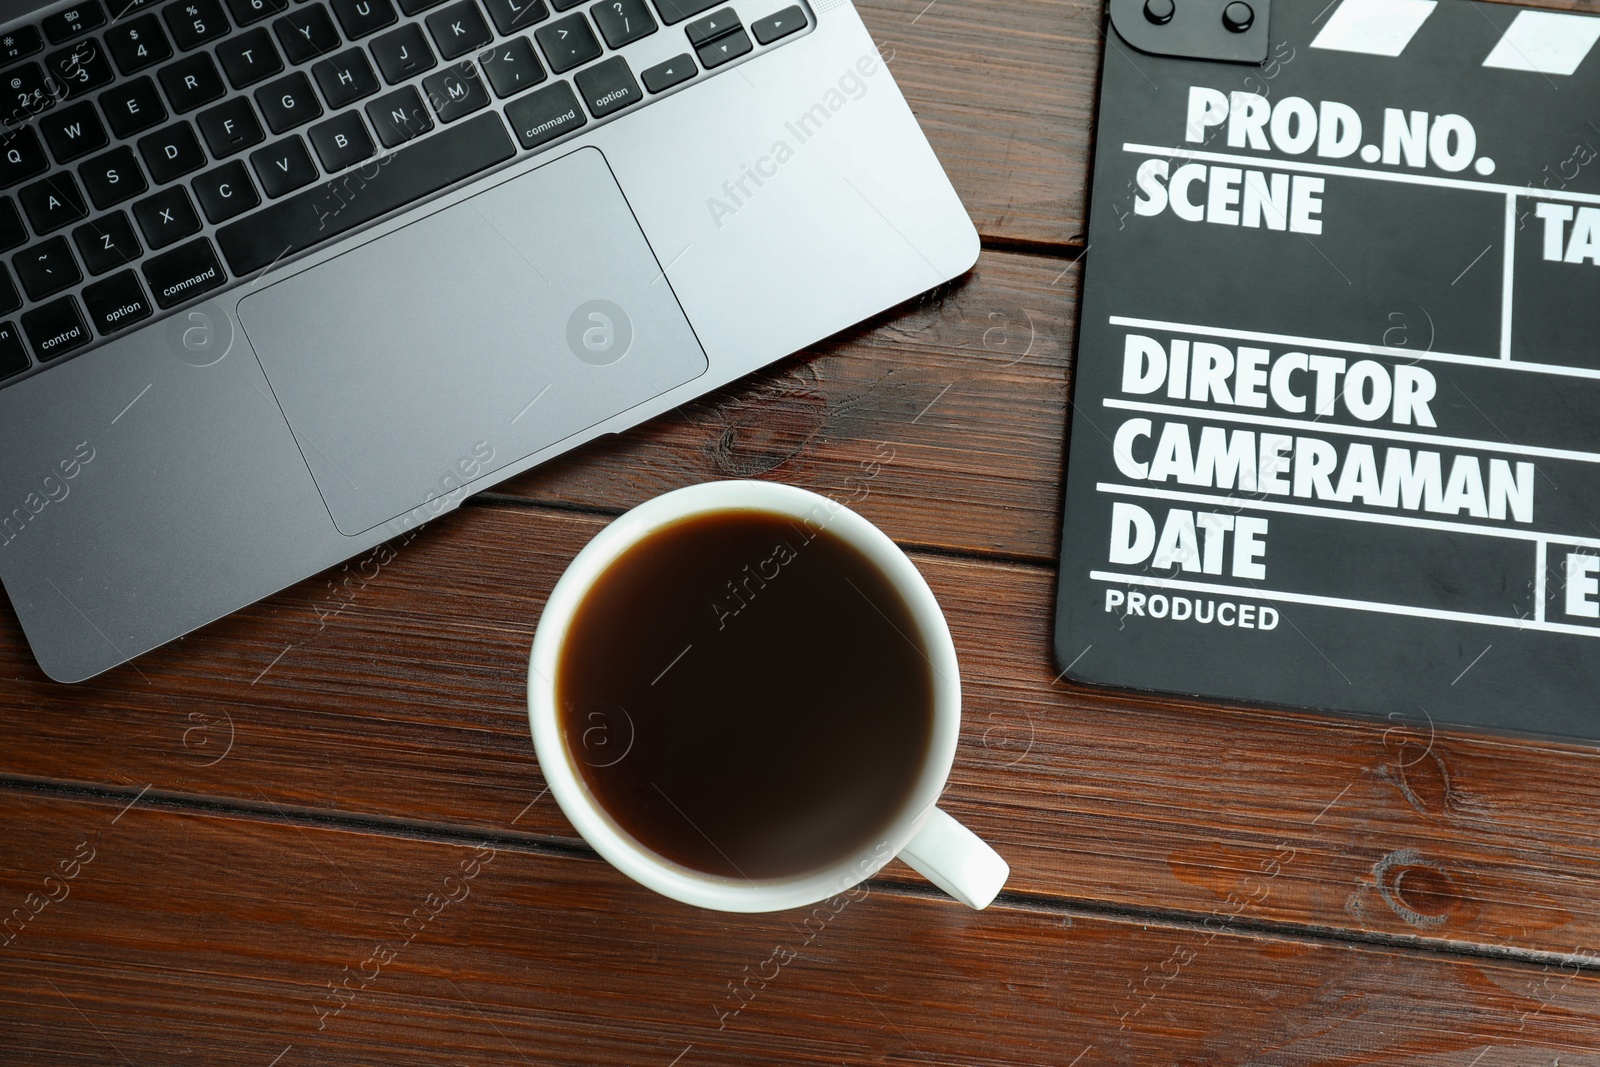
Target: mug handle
[{"x": 956, "y": 860}]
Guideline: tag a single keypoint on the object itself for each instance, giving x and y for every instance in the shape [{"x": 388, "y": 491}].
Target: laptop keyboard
[{"x": 151, "y": 154}]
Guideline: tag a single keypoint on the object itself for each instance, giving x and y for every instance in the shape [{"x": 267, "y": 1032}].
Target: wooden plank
[
  {"x": 961, "y": 396},
  {"x": 403, "y": 700},
  {"x": 1005, "y": 94},
  {"x": 1390, "y": 827},
  {"x": 185, "y": 938}
]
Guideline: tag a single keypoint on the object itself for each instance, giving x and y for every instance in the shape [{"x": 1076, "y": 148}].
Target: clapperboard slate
[{"x": 1335, "y": 434}]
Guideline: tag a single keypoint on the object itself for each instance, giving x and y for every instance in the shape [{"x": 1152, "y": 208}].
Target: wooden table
[{"x": 315, "y": 833}]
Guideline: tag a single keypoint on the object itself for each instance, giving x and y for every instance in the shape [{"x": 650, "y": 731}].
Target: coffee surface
[{"x": 746, "y": 695}]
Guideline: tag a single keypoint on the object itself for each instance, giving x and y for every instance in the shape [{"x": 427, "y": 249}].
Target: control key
[{"x": 56, "y": 328}]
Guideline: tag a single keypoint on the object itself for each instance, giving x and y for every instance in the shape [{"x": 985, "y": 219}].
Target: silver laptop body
[{"x": 305, "y": 403}]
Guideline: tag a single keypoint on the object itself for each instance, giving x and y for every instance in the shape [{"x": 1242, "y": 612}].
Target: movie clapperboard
[{"x": 1335, "y": 432}]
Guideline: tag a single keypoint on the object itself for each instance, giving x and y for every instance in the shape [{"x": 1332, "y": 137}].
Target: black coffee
[{"x": 746, "y": 695}]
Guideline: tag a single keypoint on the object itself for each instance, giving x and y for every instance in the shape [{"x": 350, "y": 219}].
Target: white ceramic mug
[{"x": 947, "y": 853}]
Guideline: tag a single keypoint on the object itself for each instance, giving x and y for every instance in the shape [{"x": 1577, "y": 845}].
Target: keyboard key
[
  {"x": 663, "y": 76},
  {"x": 307, "y": 33},
  {"x": 12, "y": 232},
  {"x": 512, "y": 67},
  {"x": 25, "y": 93},
  {"x": 513, "y": 15},
  {"x": 121, "y": 8},
  {"x": 194, "y": 22},
  {"x": 779, "y": 25},
  {"x": 608, "y": 87},
  {"x": 107, "y": 242},
  {"x": 300, "y": 222},
  {"x": 138, "y": 44},
  {"x": 675, "y": 11},
  {"x": 133, "y": 107},
  {"x": 73, "y": 132},
  {"x": 13, "y": 357},
  {"x": 56, "y": 328},
  {"x": 345, "y": 78},
  {"x": 403, "y": 53},
  {"x": 10, "y": 299},
  {"x": 166, "y": 217},
  {"x": 542, "y": 116},
  {"x": 113, "y": 177},
  {"x": 568, "y": 43},
  {"x": 724, "y": 49},
  {"x": 80, "y": 68},
  {"x": 361, "y": 17},
  {"x": 117, "y": 302},
  {"x": 225, "y": 191},
  {"x": 398, "y": 117},
  {"x": 623, "y": 21},
  {"x": 22, "y": 158},
  {"x": 712, "y": 26},
  {"x": 288, "y": 102},
  {"x": 81, "y": 18},
  {"x": 456, "y": 92},
  {"x": 230, "y": 127},
  {"x": 565, "y": 5},
  {"x": 46, "y": 268},
  {"x": 247, "y": 11},
  {"x": 183, "y": 273},
  {"x": 417, "y": 7},
  {"x": 53, "y": 203},
  {"x": 171, "y": 152},
  {"x": 458, "y": 29},
  {"x": 249, "y": 58},
  {"x": 284, "y": 166},
  {"x": 21, "y": 41},
  {"x": 192, "y": 82},
  {"x": 341, "y": 141}
]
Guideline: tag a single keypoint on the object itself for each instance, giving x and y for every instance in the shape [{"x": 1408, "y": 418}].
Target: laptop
[{"x": 285, "y": 279}]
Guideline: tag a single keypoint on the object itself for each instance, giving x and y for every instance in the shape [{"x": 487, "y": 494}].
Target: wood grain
[
  {"x": 965, "y": 390},
  {"x": 403, "y": 699},
  {"x": 1193, "y": 883},
  {"x": 1004, "y": 92},
  {"x": 188, "y": 938}
]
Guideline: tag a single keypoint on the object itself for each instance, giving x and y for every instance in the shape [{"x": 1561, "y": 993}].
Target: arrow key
[
  {"x": 779, "y": 25},
  {"x": 728, "y": 47},
  {"x": 712, "y": 26},
  {"x": 675, "y": 71}
]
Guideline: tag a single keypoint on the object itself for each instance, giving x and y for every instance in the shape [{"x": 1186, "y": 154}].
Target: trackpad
[{"x": 470, "y": 339}]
